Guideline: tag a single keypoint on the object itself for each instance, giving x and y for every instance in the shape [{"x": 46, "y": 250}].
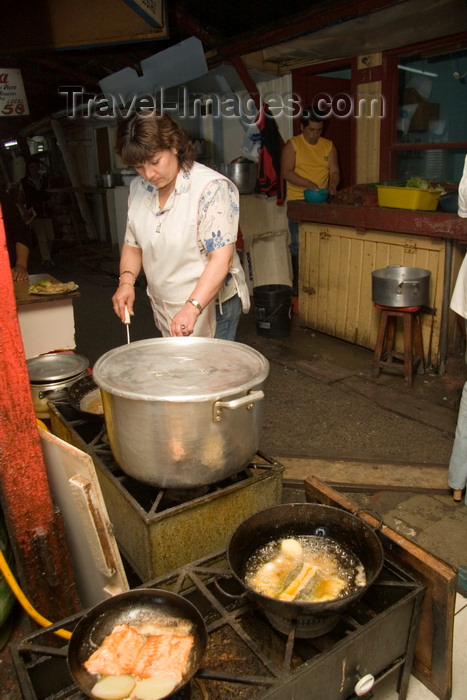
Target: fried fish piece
[
  {"x": 274, "y": 576},
  {"x": 164, "y": 655},
  {"x": 118, "y": 652}
]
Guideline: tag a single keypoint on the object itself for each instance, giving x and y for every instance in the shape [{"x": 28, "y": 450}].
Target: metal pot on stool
[{"x": 398, "y": 287}]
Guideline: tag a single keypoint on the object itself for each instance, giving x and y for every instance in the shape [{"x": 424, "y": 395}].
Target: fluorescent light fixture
[
  {"x": 417, "y": 71},
  {"x": 10, "y": 144}
]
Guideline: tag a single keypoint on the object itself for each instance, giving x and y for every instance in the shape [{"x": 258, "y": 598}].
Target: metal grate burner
[{"x": 247, "y": 658}]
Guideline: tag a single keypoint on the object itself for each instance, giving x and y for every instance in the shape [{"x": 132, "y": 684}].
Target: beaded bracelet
[{"x": 127, "y": 272}]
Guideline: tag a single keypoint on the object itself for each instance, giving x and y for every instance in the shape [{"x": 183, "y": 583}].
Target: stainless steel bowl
[{"x": 243, "y": 175}]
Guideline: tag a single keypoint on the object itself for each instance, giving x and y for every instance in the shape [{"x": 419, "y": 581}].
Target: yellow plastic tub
[{"x": 408, "y": 197}]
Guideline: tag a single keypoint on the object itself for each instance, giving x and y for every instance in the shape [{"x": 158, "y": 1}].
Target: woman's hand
[
  {"x": 124, "y": 297},
  {"x": 183, "y": 323},
  {"x": 20, "y": 273}
]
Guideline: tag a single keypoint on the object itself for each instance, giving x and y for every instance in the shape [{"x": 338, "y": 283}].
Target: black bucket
[{"x": 273, "y": 310}]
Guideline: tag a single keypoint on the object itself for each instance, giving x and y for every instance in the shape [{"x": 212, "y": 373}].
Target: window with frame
[{"x": 431, "y": 124}]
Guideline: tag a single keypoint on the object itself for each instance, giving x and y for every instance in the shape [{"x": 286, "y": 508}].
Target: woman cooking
[{"x": 181, "y": 230}]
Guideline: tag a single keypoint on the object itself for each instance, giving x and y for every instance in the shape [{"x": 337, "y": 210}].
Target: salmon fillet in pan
[
  {"x": 118, "y": 652},
  {"x": 164, "y": 655}
]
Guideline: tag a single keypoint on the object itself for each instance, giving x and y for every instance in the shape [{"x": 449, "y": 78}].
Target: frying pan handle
[
  {"x": 247, "y": 401},
  {"x": 233, "y": 596},
  {"x": 372, "y": 512}
]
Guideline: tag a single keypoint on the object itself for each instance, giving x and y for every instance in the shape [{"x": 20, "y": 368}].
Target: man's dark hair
[{"x": 313, "y": 114}]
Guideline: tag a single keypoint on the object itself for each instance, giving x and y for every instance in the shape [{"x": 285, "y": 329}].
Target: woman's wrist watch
[{"x": 195, "y": 303}]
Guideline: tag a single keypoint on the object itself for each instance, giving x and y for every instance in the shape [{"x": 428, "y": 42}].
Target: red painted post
[{"x": 34, "y": 526}]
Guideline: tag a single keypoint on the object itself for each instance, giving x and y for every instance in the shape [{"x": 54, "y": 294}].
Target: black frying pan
[
  {"x": 83, "y": 394},
  {"x": 133, "y": 607}
]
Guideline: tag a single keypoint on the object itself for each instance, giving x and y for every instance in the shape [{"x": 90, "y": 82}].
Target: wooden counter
[
  {"x": 46, "y": 322},
  {"x": 363, "y": 218}
]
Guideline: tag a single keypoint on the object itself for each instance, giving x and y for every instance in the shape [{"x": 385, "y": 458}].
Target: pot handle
[
  {"x": 246, "y": 401},
  {"x": 372, "y": 512},
  {"x": 414, "y": 283},
  {"x": 233, "y": 596},
  {"x": 52, "y": 393}
]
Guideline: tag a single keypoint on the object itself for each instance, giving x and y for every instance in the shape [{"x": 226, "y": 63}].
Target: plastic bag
[{"x": 251, "y": 143}]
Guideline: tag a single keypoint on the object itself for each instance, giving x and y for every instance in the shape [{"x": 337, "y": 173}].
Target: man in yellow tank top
[{"x": 308, "y": 161}]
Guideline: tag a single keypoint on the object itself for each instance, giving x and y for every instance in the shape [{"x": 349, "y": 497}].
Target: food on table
[
  {"x": 150, "y": 651},
  {"x": 48, "y": 287},
  {"x": 306, "y": 569},
  {"x": 114, "y": 687}
]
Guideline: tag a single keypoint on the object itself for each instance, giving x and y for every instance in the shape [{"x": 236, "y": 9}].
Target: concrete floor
[{"x": 327, "y": 416}]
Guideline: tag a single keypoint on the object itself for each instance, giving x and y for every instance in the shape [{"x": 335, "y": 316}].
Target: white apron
[{"x": 173, "y": 257}]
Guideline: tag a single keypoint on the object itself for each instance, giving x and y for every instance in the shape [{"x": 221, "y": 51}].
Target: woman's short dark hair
[{"x": 140, "y": 136}]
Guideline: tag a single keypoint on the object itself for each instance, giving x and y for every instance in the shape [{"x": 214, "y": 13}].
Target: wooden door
[{"x": 339, "y": 128}]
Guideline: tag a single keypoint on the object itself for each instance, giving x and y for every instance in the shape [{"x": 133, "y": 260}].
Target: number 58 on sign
[{"x": 13, "y": 102}]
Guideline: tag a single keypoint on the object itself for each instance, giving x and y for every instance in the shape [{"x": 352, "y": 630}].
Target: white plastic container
[{"x": 266, "y": 260}]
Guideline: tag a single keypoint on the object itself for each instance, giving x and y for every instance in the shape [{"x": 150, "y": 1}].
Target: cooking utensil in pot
[
  {"x": 182, "y": 412},
  {"x": 135, "y": 607},
  {"x": 398, "y": 286},
  {"x": 85, "y": 396},
  {"x": 51, "y": 375},
  {"x": 301, "y": 519},
  {"x": 127, "y": 322}
]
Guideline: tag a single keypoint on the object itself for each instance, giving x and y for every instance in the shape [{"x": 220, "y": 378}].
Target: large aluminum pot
[
  {"x": 398, "y": 286},
  {"x": 182, "y": 412},
  {"x": 51, "y": 375},
  {"x": 244, "y": 175}
]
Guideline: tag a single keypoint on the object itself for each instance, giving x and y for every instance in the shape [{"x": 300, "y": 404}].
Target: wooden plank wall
[{"x": 335, "y": 295}]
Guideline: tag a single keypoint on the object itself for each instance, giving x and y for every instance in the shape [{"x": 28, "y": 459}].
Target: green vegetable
[
  {"x": 418, "y": 182},
  {"x": 422, "y": 184}
]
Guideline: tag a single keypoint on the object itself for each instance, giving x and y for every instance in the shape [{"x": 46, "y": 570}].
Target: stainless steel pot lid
[
  {"x": 180, "y": 369},
  {"x": 55, "y": 366}
]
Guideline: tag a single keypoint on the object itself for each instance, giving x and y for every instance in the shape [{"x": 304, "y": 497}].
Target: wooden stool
[{"x": 385, "y": 352}]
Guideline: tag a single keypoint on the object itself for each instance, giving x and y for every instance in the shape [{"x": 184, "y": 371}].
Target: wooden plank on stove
[
  {"x": 368, "y": 474},
  {"x": 433, "y": 653}
]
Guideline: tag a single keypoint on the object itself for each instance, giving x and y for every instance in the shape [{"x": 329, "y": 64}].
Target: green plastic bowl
[{"x": 316, "y": 196}]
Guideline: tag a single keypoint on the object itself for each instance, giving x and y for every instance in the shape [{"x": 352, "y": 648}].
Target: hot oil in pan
[
  {"x": 92, "y": 403},
  {"x": 307, "y": 569}
]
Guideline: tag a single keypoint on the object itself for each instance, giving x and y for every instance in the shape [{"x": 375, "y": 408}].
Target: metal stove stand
[
  {"x": 246, "y": 657},
  {"x": 160, "y": 530}
]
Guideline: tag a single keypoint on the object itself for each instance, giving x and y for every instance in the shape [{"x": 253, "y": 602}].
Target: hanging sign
[
  {"x": 13, "y": 102},
  {"x": 150, "y": 10}
]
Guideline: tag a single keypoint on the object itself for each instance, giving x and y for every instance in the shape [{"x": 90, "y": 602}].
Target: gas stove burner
[
  {"x": 246, "y": 657},
  {"x": 177, "y": 496},
  {"x": 306, "y": 627}
]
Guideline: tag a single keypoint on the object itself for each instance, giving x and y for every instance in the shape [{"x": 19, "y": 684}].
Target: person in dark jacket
[
  {"x": 18, "y": 236},
  {"x": 34, "y": 190}
]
